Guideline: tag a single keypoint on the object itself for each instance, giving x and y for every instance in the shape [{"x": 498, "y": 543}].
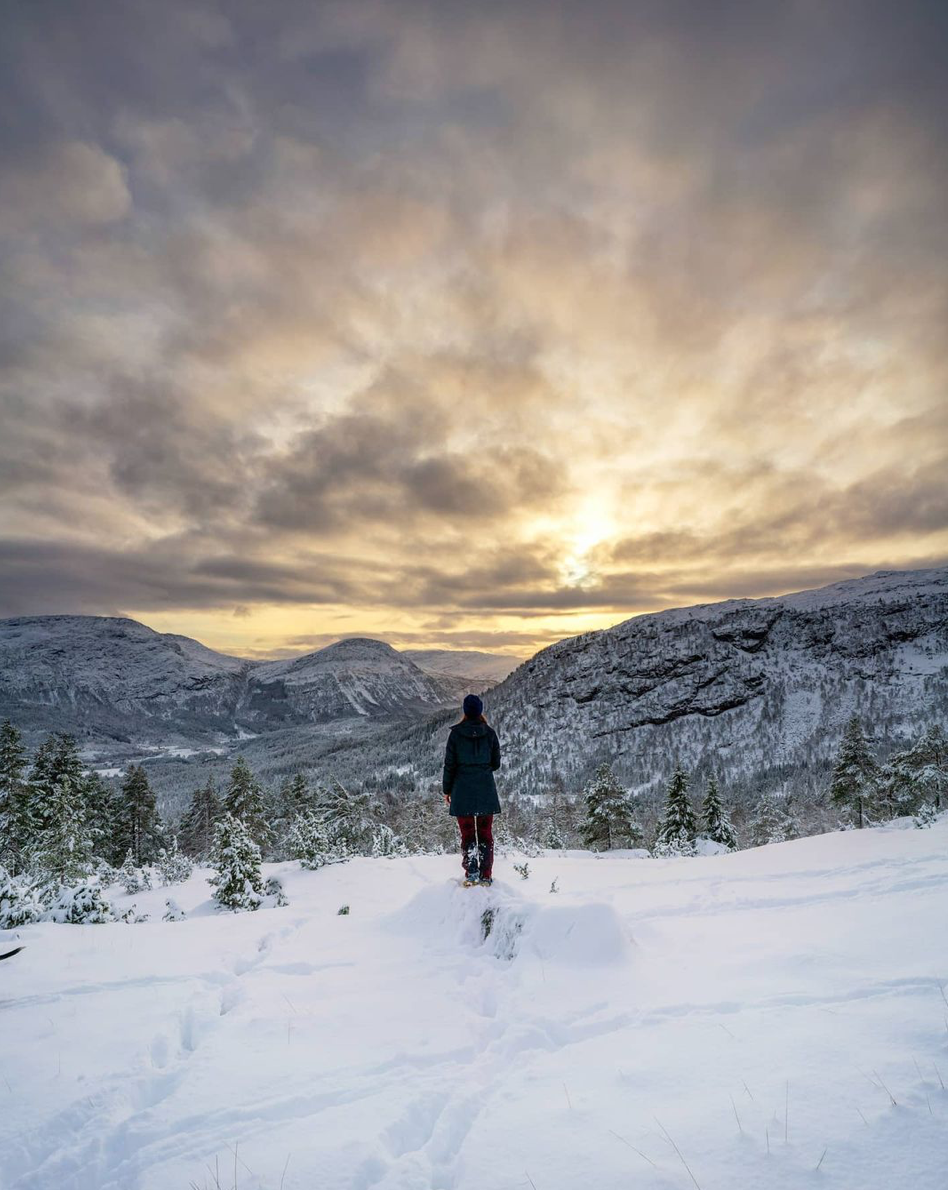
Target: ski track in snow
[{"x": 758, "y": 1008}]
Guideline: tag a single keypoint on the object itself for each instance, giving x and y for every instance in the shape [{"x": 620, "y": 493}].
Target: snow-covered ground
[{"x": 752, "y": 1015}]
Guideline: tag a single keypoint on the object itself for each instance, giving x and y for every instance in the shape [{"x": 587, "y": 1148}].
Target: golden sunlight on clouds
[{"x": 463, "y": 329}]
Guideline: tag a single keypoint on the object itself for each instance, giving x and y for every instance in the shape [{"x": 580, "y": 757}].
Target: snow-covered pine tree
[
  {"x": 609, "y": 819},
  {"x": 61, "y": 851},
  {"x": 101, "y": 819},
  {"x": 678, "y": 829},
  {"x": 274, "y": 893},
  {"x": 714, "y": 818},
  {"x": 855, "y": 782},
  {"x": 309, "y": 840},
  {"x": 235, "y": 856},
  {"x": 553, "y": 838},
  {"x": 19, "y": 903},
  {"x": 426, "y": 826},
  {"x": 557, "y": 802},
  {"x": 197, "y": 826},
  {"x": 348, "y": 816},
  {"x": 298, "y": 796},
  {"x": 14, "y": 820},
  {"x": 918, "y": 775},
  {"x": 773, "y": 821},
  {"x": 243, "y": 799},
  {"x": 926, "y": 817},
  {"x": 292, "y": 797},
  {"x": 173, "y": 867},
  {"x": 78, "y": 905},
  {"x": 56, "y": 763},
  {"x": 137, "y": 825},
  {"x": 386, "y": 843},
  {"x": 105, "y": 873},
  {"x": 173, "y": 911},
  {"x": 132, "y": 878}
]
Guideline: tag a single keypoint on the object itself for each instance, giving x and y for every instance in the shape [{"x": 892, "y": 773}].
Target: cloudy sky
[{"x": 466, "y": 325}]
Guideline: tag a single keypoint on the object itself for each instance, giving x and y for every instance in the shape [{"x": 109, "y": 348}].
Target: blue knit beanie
[{"x": 472, "y": 706}]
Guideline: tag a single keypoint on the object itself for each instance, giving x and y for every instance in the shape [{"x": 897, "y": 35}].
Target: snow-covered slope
[
  {"x": 357, "y": 676},
  {"x": 757, "y": 689},
  {"x": 772, "y": 1019},
  {"x": 111, "y": 674},
  {"x": 745, "y": 685},
  {"x": 107, "y": 676},
  {"x": 470, "y": 665}
]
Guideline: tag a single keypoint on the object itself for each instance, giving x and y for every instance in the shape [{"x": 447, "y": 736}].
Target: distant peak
[{"x": 360, "y": 646}]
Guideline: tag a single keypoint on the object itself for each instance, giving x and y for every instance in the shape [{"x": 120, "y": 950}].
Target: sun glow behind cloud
[{"x": 466, "y": 326}]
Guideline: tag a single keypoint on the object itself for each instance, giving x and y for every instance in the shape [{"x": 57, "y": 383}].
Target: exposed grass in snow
[{"x": 775, "y": 1018}]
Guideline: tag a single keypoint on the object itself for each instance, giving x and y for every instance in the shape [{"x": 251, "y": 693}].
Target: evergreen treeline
[{"x": 64, "y": 827}]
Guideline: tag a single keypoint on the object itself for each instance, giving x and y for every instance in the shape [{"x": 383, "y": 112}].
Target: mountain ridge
[{"x": 757, "y": 690}]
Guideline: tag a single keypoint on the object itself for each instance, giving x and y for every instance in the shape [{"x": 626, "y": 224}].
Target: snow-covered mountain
[
  {"x": 746, "y": 685},
  {"x": 108, "y": 677},
  {"x": 758, "y": 689},
  {"x": 470, "y": 665},
  {"x": 355, "y": 676}
]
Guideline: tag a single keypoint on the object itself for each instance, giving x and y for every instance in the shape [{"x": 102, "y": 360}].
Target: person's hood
[{"x": 473, "y": 731}]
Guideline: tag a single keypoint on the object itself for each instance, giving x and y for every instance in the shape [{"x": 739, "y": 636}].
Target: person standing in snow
[{"x": 471, "y": 757}]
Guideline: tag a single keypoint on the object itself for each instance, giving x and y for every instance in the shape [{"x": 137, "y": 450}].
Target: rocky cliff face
[{"x": 747, "y": 685}]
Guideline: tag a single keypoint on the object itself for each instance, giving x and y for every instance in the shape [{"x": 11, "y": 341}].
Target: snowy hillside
[
  {"x": 774, "y": 1018},
  {"x": 108, "y": 677},
  {"x": 110, "y": 674},
  {"x": 743, "y": 685},
  {"x": 355, "y": 676},
  {"x": 757, "y": 689}
]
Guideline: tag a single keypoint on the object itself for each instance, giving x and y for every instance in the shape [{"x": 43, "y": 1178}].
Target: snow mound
[
  {"x": 500, "y": 923},
  {"x": 589, "y": 935}
]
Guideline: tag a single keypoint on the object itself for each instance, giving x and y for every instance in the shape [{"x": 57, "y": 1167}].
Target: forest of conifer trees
[{"x": 67, "y": 834}]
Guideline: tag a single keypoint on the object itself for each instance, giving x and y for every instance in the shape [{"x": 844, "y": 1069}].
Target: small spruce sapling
[
  {"x": 714, "y": 818},
  {"x": 313, "y": 841},
  {"x": 173, "y": 867},
  {"x": 237, "y": 882},
  {"x": 20, "y": 904},
  {"x": 925, "y": 817},
  {"x": 678, "y": 829},
  {"x": 173, "y": 911},
  {"x": 554, "y": 836},
  {"x": 386, "y": 843},
  {"x": 131, "y": 878},
  {"x": 83, "y": 904}
]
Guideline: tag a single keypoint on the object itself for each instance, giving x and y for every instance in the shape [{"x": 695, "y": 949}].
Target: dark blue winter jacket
[{"x": 471, "y": 756}]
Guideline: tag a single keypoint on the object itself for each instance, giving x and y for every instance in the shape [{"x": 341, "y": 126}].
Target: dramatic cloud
[{"x": 466, "y": 325}]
